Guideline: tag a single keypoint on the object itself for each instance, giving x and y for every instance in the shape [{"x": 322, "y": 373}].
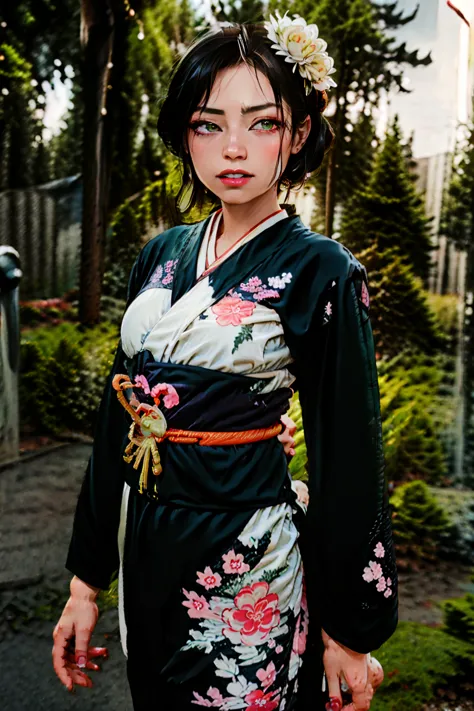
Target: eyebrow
[{"x": 245, "y": 110}]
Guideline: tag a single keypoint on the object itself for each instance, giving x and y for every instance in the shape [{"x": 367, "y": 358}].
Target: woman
[{"x": 230, "y": 597}]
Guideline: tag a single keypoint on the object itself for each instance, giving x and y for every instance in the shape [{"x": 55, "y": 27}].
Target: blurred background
[{"x": 85, "y": 182}]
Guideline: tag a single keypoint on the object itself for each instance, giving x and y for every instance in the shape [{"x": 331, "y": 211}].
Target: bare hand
[
  {"x": 286, "y": 437},
  {"x": 301, "y": 491},
  {"x": 361, "y": 672},
  {"x": 72, "y": 634}
]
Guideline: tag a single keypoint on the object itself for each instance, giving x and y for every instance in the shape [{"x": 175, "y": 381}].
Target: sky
[{"x": 437, "y": 100}]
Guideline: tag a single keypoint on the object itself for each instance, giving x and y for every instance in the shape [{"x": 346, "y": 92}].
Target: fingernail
[
  {"x": 81, "y": 661},
  {"x": 334, "y": 704}
]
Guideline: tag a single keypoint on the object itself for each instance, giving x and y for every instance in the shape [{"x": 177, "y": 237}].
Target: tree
[
  {"x": 368, "y": 61},
  {"x": 399, "y": 312},
  {"x": 458, "y": 225},
  {"x": 389, "y": 211}
]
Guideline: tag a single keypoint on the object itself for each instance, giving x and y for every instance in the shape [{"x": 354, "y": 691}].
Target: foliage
[
  {"x": 298, "y": 462},
  {"x": 458, "y": 541},
  {"x": 400, "y": 314},
  {"x": 62, "y": 375},
  {"x": 418, "y": 521},
  {"x": 459, "y": 618},
  {"x": 130, "y": 223},
  {"x": 41, "y": 311},
  {"x": 417, "y": 661},
  {"x": 389, "y": 211},
  {"x": 416, "y": 411}
]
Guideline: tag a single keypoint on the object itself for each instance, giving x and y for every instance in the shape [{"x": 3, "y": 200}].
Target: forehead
[{"x": 241, "y": 85}]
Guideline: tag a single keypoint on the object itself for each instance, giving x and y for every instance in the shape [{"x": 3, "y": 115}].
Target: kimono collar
[
  {"x": 208, "y": 259},
  {"x": 245, "y": 257}
]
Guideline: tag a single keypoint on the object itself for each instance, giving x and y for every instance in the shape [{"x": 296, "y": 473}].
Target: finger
[
  {"x": 361, "y": 699},
  {"x": 334, "y": 689},
  {"x": 375, "y": 672},
  {"x": 80, "y": 678},
  {"x": 98, "y": 652},
  {"x": 71, "y": 662},
  {"x": 83, "y": 637},
  {"x": 61, "y": 636}
]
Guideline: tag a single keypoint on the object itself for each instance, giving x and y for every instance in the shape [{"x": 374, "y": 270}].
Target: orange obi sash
[{"x": 149, "y": 428}]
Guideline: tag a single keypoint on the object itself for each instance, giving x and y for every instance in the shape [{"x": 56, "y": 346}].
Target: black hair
[{"x": 192, "y": 80}]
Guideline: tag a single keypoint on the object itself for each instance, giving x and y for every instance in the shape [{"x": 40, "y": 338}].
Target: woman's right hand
[{"x": 72, "y": 634}]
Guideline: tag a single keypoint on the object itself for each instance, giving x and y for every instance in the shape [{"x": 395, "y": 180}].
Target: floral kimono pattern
[{"x": 212, "y": 550}]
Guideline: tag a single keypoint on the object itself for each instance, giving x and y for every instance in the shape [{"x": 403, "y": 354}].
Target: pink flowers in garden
[
  {"x": 374, "y": 573},
  {"x": 231, "y": 310},
  {"x": 234, "y": 563}
]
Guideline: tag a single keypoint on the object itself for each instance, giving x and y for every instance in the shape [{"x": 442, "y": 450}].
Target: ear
[{"x": 302, "y": 133}]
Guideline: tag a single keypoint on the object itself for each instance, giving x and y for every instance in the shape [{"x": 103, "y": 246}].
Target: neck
[{"x": 239, "y": 219}]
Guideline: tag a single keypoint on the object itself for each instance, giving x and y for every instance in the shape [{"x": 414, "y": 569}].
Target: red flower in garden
[{"x": 255, "y": 614}]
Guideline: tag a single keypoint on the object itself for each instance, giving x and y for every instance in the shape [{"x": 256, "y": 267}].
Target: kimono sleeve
[
  {"x": 93, "y": 550},
  {"x": 352, "y": 569}
]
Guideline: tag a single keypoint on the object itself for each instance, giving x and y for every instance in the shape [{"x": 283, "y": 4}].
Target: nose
[{"x": 234, "y": 147}]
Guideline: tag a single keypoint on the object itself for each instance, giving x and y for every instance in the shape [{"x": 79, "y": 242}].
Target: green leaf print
[{"x": 245, "y": 334}]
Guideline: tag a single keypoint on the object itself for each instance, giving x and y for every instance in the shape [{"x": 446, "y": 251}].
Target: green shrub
[
  {"x": 62, "y": 376},
  {"x": 297, "y": 464},
  {"x": 458, "y": 541},
  {"x": 418, "y": 521},
  {"x": 417, "y": 660},
  {"x": 459, "y": 618}
]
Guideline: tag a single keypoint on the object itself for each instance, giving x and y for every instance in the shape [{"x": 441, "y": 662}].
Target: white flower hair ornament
[{"x": 299, "y": 43}]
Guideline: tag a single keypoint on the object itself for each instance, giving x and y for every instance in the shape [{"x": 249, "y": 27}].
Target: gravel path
[{"x": 37, "y": 501}]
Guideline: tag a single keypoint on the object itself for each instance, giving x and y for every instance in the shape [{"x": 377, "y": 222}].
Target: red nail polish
[{"x": 334, "y": 704}]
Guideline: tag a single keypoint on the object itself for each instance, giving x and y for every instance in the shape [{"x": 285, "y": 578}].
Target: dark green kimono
[{"x": 220, "y": 570}]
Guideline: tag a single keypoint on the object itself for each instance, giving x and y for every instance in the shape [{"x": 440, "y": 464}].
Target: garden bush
[
  {"x": 458, "y": 541},
  {"x": 62, "y": 376},
  {"x": 418, "y": 522}
]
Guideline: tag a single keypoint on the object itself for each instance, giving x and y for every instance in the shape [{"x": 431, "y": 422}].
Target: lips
[{"x": 235, "y": 174}]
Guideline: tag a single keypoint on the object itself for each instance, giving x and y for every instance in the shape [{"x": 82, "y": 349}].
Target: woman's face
[{"x": 234, "y": 141}]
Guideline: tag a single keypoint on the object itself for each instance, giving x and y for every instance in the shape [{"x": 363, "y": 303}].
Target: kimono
[{"x": 224, "y": 582}]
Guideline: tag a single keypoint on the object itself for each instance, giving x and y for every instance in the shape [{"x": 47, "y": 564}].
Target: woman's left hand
[
  {"x": 361, "y": 672},
  {"x": 286, "y": 437}
]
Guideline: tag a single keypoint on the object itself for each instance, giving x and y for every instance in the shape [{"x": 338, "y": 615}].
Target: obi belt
[{"x": 202, "y": 438}]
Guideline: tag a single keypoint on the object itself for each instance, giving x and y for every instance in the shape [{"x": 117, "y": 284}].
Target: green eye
[
  {"x": 267, "y": 125},
  {"x": 204, "y": 127}
]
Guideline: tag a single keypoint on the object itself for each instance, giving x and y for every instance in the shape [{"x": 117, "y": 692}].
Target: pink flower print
[
  {"x": 368, "y": 575},
  {"x": 234, "y": 563},
  {"x": 231, "y": 311},
  {"x": 328, "y": 309},
  {"x": 167, "y": 280},
  {"x": 142, "y": 382},
  {"x": 365, "y": 295},
  {"x": 255, "y": 614},
  {"x": 382, "y": 584},
  {"x": 171, "y": 398},
  {"x": 209, "y": 579},
  {"x": 259, "y": 701},
  {"x": 271, "y": 643},
  {"x": 201, "y": 701},
  {"x": 379, "y": 550},
  {"x": 198, "y": 606},
  {"x": 376, "y": 569},
  {"x": 388, "y": 592},
  {"x": 157, "y": 275},
  {"x": 389, "y": 581},
  {"x": 253, "y": 284},
  {"x": 267, "y": 676},
  {"x": 266, "y": 294},
  {"x": 279, "y": 649}
]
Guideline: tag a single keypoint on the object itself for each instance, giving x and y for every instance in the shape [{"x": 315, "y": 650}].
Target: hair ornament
[{"x": 299, "y": 43}]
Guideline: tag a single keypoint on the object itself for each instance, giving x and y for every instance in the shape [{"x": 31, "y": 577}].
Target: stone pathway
[{"x": 37, "y": 501}]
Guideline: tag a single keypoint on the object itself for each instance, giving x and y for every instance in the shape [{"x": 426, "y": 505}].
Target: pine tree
[
  {"x": 400, "y": 315},
  {"x": 390, "y": 211}
]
